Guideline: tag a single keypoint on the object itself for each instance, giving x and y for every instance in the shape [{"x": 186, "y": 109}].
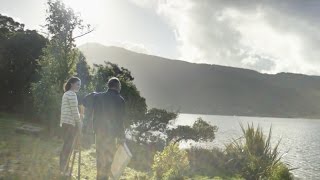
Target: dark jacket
[{"x": 108, "y": 113}]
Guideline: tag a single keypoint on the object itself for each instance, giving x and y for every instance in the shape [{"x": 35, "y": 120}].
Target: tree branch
[
  {"x": 83, "y": 34},
  {"x": 178, "y": 140}
]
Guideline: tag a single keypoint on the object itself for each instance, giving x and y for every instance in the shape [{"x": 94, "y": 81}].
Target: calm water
[{"x": 300, "y": 138}]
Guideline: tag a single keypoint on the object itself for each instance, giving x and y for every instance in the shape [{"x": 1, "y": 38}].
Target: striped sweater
[{"x": 69, "y": 109}]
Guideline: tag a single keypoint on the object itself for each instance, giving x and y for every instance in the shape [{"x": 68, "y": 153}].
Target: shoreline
[{"x": 257, "y": 116}]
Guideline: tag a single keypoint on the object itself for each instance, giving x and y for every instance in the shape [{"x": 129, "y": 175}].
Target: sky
[{"x": 269, "y": 36}]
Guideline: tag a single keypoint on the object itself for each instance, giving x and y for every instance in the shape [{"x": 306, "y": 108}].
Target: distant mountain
[{"x": 213, "y": 89}]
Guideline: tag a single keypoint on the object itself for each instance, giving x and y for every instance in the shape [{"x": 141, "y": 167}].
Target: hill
[{"x": 213, "y": 89}]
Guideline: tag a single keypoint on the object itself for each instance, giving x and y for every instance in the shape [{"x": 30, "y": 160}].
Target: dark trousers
[
  {"x": 106, "y": 147},
  {"x": 69, "y": 134}
]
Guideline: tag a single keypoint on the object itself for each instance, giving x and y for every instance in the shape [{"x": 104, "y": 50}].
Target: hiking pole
[
  {"x": 79, "y": 151},
  {"x": 79, "y": 142},
  {"x": 72, "y": 163},
  {"x": 74, "y": 150},
  {"x": 67, "y": 167}
]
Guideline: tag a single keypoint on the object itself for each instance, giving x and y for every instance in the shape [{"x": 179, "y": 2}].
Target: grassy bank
[
  {"x": 37, "y": 157},
  {"x": 25, "y": 156}
]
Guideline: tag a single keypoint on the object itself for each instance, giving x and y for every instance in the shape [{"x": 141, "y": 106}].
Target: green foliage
[
  {"x": 136, "y": 105},
  {"x": 47, "y": 92},
  {"x": 154, "y": 124},
  {"x": 171, "y": 163},
  {"x": 208, "y": 162},
  {"x": 254, "y": 158},
  {"x": 134, "y": 175},
  {"x": 19, "y": 51},
  {"x": 62, "y": 22},
  {"x": 197, "y": 177},
  {"x": 200, "y": 131},
  {"x": 103, "y": 72},
  {"x": 143, "y": 154},
  {"x": 58, "y": 61},
  {"x": 83, "y": 72},
  {"x": 280, "y": 172},
  {"x": 154, "y": 129},
  {"x": 9, "y": 26}
]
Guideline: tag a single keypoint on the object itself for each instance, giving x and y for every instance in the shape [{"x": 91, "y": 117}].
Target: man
[{"x": 108, "y": 125}]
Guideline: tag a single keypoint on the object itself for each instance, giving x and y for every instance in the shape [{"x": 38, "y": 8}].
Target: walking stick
[
  {"x": 78, "y": 139},
  {"x": 72, "y": 163},
  {"x": 79, "y": 160},
  {"x": 67, "y": 167},
  {"x": 79, "y": 143}
]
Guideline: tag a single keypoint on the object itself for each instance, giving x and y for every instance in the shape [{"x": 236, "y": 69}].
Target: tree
[
  {"x": 200, "y": 131},
  {"x": 155, "y": 128},
  {"x": 155, "y": 121},
  {"x": 19, "y": 51},
  {"x": 83, "y": 71},
  {"x": 62, "y": 22},
  {"x": 8, "y": 26},
  {"x": 136, "y": 106},
  {"x": 58, "y": 62}
]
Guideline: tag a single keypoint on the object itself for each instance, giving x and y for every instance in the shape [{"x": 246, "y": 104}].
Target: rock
[{"x": 29, "y": 129}]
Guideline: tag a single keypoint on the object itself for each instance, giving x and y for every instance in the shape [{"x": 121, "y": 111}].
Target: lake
[{"x": 300, "y": 138}]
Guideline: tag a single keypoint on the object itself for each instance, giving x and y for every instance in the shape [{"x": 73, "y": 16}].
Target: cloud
[
  {"x": 268, "y": 36},
  {"x": 139, "y": 48},
  {"x": 146, "y": 3},
  {"x": 260, "y": 63}
]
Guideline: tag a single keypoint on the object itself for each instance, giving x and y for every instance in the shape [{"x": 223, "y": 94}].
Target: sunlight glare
[{"x": 90, "y": 11}]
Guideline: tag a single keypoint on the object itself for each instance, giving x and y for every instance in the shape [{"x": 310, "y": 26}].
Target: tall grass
[{"x": 253, "y": 156}]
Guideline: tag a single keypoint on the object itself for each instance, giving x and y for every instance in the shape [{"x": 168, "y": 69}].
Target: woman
[{"x": 70, "y": 120}]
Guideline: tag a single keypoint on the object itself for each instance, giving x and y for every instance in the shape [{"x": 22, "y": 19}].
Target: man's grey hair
[{"x": 113, "y": 83}]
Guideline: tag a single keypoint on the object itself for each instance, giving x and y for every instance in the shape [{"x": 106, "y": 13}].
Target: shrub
[
  {"x": 280, "y": 172},
  {"x": 254, "y": 158},
  {"x": 207, "y": 162},
  {"x": 143, "y": 155},
  {"x": 171, "y": 163}
]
